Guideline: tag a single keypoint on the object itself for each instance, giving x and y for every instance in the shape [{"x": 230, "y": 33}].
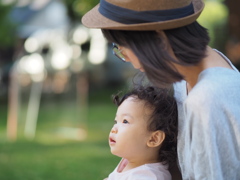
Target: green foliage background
[{"x": 7, "y": 28}]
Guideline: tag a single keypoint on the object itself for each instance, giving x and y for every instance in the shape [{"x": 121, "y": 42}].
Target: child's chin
[{"x": 114, "y": 153}]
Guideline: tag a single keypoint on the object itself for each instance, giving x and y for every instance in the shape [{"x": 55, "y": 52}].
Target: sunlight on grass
[{"x": 64, "y": 146}]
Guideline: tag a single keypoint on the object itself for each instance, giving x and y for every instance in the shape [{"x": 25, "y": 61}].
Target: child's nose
[{"x": 114, "y": 129}]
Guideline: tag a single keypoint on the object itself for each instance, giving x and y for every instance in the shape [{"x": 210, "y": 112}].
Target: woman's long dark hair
[{"x": 188, "y": 43}]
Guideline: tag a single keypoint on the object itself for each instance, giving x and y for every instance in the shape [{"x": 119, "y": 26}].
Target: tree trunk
[{"x": 233, "y": 44}]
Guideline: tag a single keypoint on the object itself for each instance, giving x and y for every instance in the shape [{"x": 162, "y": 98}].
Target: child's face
[{"x": 129, "y": 135}]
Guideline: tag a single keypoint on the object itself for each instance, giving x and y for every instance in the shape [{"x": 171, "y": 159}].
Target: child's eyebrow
[{"x": 128, "y": 114}]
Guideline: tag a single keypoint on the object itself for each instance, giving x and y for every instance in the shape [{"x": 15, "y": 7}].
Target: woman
[{"x": 163, "y": 39}]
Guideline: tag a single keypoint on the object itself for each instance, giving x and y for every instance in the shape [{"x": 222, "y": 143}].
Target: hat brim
[{"x": 93, "y": 19}]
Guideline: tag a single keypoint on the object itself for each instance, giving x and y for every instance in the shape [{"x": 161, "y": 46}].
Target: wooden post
[
  {"x": 13, "y": 95},
  {"x": 82, "y": 98},
  {"x": 33, "y": 110}
]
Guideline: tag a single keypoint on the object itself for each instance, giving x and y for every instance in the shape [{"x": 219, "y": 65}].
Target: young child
[{"x": 144, "y": 134}]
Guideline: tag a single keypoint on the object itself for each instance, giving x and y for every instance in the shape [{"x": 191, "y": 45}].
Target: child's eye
[
  {"x": 125, "y": 121},
  {"x": 115, "y": 122}
]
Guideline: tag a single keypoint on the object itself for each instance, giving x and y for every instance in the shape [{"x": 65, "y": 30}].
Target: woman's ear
[
  {"x": 162, "y": 35},
  {"x": 156, "y": 139}
]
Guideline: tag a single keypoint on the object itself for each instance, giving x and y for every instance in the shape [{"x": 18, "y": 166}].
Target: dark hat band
[{"x": 127, "y": 16}]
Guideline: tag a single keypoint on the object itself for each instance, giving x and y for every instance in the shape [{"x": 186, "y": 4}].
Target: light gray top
[{"x": 209, "y": 125}]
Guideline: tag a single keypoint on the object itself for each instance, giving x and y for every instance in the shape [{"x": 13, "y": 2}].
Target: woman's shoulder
[{"x": 217, "y": 80}]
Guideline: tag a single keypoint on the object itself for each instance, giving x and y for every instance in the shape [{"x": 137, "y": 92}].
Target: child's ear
[{"x": 156, "y": 139}]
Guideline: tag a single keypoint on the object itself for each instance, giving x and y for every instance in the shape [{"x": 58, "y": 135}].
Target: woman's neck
[{"x": 191, "y": 73}]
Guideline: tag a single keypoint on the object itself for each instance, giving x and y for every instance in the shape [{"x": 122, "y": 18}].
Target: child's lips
[{"x": 112, "y": 141}]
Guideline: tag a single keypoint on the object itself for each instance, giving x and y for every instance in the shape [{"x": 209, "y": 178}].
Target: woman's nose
[{"x": 127, "y": 60}]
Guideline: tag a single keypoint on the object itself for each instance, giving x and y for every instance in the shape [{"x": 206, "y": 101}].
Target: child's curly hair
[{"x": 164, "y": 117}]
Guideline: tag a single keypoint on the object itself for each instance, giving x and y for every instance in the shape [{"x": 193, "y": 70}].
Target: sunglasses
[{"x": 118, "y": 52}]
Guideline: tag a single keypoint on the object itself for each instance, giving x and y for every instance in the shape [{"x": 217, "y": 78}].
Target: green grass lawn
[
  {"x": 35, "y": 161},
  {"x": 55, "y": 154}
]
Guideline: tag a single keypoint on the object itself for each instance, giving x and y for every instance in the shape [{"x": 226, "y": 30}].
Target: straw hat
[{"x": 143, "y": 14}]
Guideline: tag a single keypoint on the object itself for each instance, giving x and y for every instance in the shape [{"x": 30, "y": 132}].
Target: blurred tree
[
  {"x": 233, "y": 44},
  {"x": 234, "y": 17},
  {"x": 7, "y": 45},
  {"x": 7, "y": 28},
  {"x": 77, "y": 8},
  {"x": 214, "y": 18}
]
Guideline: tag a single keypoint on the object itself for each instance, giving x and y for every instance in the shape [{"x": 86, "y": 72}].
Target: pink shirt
[{"x": 154, "y": 171}]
